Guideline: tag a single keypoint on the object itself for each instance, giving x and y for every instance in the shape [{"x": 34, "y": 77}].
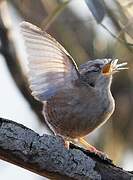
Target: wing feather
[{"x": 51, "y": 68}]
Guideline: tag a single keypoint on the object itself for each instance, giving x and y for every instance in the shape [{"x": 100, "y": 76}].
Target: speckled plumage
[{"x": 75, "y": 101}]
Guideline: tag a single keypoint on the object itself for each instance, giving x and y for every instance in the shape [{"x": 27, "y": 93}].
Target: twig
[
  {"x": 50, "y": 19},
  {"x": 116, "y": 37}
]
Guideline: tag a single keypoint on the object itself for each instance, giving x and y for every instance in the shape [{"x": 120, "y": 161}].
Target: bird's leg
[
  {"x": 87, "y": 145},
  {"x": 67, "y": 143},
  {"x": 91, "y": 148}
]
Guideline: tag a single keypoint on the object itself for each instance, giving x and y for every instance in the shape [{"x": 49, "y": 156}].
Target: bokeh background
[{"x": 88, "y": 30}]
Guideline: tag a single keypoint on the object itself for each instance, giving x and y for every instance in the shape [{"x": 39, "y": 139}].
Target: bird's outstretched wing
[{"x": 51, "y": 68}]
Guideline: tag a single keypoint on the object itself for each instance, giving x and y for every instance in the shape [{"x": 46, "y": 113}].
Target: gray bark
[{"x": 46, "y": 155}]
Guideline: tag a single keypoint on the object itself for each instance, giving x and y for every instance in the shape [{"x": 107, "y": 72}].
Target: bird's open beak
[{"x": 112, "y": 67}]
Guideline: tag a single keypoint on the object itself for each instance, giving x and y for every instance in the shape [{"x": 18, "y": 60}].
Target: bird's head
[{"x": 100, "y": 71}]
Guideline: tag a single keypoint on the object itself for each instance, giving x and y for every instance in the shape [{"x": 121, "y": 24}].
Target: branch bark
[{"x": 46, "y": 155}]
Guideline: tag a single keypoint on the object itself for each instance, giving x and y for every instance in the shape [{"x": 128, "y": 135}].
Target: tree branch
[{"x": 47, "y": 156}]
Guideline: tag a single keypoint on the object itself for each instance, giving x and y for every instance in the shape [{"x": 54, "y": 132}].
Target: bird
[{"x": 76, "y": 100}]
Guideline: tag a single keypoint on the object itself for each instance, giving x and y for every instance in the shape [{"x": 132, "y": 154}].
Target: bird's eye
[{"x": 96, "y": 68}]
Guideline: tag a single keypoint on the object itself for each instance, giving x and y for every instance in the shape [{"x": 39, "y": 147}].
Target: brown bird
[{"x": 75, "y": 101}]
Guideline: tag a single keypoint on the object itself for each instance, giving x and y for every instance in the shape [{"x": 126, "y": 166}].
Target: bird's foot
[
  {"x": 92, "y": 149},
  {"x": 101, "y": 154},
  {"x": 67, "y": 144},
  {"x": 88, "y": 147}
]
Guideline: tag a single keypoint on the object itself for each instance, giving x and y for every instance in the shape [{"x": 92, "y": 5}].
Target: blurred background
[{"x": 88, "y": 29}]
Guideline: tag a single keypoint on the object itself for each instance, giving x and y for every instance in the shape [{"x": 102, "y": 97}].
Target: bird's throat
[{"x": 103, "y": 83}]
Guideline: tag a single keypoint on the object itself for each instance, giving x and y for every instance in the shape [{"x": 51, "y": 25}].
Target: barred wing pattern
[{"x": 51, "y": 68}]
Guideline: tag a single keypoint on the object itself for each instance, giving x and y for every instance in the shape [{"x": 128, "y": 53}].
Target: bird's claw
[{"x": 97, "y": 152}]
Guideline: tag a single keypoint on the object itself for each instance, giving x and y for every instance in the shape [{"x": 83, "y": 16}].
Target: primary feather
[{"x": 51, "y": 68}]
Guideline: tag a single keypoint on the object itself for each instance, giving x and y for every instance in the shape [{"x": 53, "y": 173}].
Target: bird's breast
[{"x": 76, "y": 113}]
